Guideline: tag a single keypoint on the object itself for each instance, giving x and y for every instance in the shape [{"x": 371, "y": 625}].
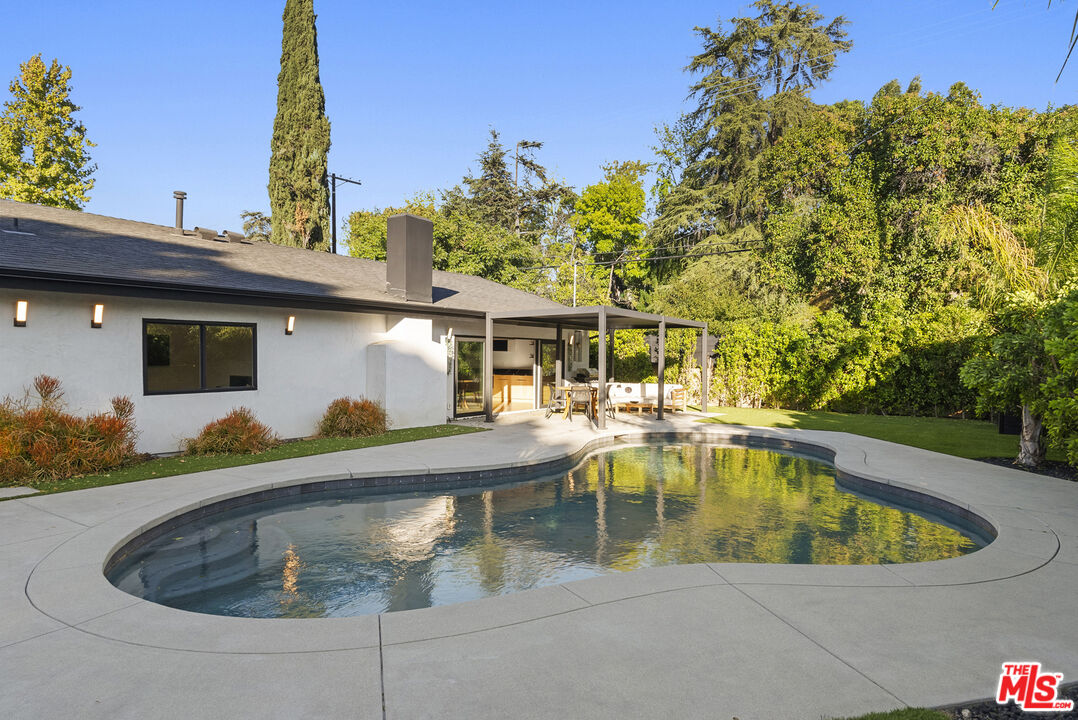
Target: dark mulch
[
  {"x": 989, "y": 710},
  {"x": 1051, "y": 468}
]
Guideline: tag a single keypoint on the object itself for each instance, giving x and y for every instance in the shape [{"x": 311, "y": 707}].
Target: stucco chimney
[{"x": 409, "y": 257}]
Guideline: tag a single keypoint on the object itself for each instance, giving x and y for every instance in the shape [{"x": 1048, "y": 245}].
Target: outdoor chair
[
  {"x": 677, "y": 398},
  {"x": 581, "y": 395},
  {"x": 557, "y": 401}
]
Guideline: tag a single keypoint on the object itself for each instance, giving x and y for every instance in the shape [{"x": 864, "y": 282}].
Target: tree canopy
[
  {"x": 751, "y": 84},
  {"x": 44, "y": 151},
  {"x": 913, "y": 252}
]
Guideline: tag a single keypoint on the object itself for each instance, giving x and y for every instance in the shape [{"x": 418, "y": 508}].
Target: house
[{"x": 191, "y": 323}]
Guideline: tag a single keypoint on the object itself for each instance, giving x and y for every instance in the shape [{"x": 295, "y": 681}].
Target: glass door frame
[
  {"x": 537, "y": 370},
  {"x": 456, "y": 375}
]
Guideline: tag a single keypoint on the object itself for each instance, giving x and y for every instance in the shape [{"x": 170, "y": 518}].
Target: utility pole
[
  {"x": 333, "y": 178},
  {"x": 574, "y": 267}
]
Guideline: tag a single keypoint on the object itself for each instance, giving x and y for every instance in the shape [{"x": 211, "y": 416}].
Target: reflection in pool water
[{"x": 349, "y": 553}]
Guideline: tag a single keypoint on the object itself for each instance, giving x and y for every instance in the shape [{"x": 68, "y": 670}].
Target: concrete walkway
[{"x": 707, "y": 641}]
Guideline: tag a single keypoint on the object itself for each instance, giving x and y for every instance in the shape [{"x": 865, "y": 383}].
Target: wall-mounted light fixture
[
  {"x": 449, "y": 335},
  {"x": 98, "y": 317},
  {"x": 22, "y": 307},
  {"x": 290, "y": 325}
]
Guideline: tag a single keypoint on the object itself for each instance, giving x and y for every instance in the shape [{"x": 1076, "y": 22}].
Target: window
[{"x": 182, "y": 357}]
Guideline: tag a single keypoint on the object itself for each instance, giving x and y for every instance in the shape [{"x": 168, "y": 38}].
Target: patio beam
[
  {"x": 601, "y": 409},
  {"x": 662, "y": 366},
  {"x": 488, "y": 370},
  {"x": 582, "y": 317}
]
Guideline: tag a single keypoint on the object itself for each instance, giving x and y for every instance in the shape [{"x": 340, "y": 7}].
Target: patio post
[
  {"x": 613, "y": 354},
  {"x": 601, "y": 410},
  {"x": 662, "y": 365},
  {"x": 558, "y": 357},
  {"x": 488, "y": 371},
  {"x": 703, "y": 370}
]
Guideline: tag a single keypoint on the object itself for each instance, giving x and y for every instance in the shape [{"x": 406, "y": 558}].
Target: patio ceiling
[
  {"x": 587, "y": 318},
  {"x": 603, "y": 319}
]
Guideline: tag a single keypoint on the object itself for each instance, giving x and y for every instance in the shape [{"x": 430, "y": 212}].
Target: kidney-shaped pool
[{"x": 348, "y": 552}]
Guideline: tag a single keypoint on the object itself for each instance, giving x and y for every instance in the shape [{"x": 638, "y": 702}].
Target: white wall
[
  {"x": 408, "y": 366},
  {"x": 519, "y": 356},
  {"x": 297, "y": 375}
]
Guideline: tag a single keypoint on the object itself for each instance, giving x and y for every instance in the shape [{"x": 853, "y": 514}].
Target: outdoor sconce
[
  {"x": 290, "y": 325},
  {"x": 449, "y": 335},
  {"x": 99, "y": 316},
  {"x": 21, "y": 308}
]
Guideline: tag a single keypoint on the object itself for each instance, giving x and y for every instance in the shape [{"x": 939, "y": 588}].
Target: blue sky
[{"x": 182, "y": 96}]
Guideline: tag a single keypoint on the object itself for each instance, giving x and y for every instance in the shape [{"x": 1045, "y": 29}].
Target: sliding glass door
[
  {"x": 468, "y": 383},
  {"x": 547, "y": 379}
]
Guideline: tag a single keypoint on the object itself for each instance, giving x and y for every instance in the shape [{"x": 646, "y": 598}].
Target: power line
[
  {"x": 810, "y": 64},
  {"x": 849, "y": 153},
  {"x": 741, "y": 247},
  {"x": 752, "y": 244}
]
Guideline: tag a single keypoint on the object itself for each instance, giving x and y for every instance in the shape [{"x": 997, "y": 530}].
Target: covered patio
[{"x": 605, "y": 321}]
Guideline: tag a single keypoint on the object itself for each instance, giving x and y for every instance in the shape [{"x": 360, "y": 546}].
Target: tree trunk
[{"x": 1030, "y": 448}]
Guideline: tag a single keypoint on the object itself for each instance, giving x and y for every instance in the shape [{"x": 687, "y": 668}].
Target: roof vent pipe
[{"x": 180, "y": 196}]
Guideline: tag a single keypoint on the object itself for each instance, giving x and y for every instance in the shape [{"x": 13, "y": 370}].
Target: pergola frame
[{"x": 605, "y": 320}]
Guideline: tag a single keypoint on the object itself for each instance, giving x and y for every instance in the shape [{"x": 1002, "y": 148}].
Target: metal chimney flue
[
  {"x": 180, "y": 196},
  {"x": 409, "y": 256}
]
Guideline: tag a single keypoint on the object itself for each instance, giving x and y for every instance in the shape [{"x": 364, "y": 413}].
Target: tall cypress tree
[{"x": 298, "y": 183}]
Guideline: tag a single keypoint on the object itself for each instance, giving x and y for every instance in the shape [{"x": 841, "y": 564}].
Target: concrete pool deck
[{"x": 708, "y": 640}]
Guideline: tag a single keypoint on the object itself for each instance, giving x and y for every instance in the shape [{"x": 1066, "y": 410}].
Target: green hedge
[{"x": 902, "y": 365}]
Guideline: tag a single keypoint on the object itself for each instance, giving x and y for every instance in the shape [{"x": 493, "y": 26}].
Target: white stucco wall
[
  {"x": 297, "y": 375},
  {"x": 407, "y": 371}
]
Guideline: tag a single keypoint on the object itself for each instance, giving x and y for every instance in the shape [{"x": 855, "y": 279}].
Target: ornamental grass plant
[
  {"x": 347, "y": 417},
  {"x": 238, "y": 433},
  {"x": 41, "y": 442}
]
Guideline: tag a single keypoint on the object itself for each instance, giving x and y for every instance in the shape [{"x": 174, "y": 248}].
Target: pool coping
[{"x": 69, "y": 586}]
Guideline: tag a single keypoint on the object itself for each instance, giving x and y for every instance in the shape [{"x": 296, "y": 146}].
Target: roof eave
[{"x": 57, "y": 282}]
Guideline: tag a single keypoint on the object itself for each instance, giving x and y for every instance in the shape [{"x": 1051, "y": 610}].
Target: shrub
[
  {"x": 346, "y": 417},
  {"x": 236, "y": 433},
  {"x": 892, "y": 364},
  {"x": 1058, "y": 396},
  {"x": 41, "y": 442}
]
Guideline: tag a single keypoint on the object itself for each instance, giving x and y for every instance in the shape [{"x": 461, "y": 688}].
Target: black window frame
[{"x": 202, "y": 325}]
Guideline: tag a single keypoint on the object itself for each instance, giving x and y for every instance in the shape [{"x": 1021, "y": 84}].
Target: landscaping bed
[
  {"x": 184, "y": 464},
  {"x": 1051, "y": 468}
]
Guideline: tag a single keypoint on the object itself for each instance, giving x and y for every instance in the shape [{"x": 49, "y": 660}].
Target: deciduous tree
[
  {"x": 44, "y": 151},
  {"x": 610, "y": 226}
]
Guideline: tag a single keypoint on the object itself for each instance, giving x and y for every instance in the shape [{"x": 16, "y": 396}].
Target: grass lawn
[
  {"x": 181, "y": 465},
  {"x": 905, "y": 714},
  {"x": 964, "y": 438}
]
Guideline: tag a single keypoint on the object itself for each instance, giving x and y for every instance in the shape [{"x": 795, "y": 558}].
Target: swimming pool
[{"x": 348, "y": 552}]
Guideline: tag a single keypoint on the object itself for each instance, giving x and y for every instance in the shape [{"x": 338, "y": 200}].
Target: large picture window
[{"x": 183, "y": 357}]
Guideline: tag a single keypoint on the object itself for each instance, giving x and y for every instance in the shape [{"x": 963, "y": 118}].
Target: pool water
[{"x": 345, "y": 553}]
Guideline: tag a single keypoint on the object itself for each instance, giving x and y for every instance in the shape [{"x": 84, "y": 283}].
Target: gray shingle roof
[{"x": 54, "y": 244}]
